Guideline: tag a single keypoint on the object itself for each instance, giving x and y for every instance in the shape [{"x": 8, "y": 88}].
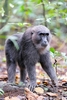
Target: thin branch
[{"x": 44, "y": 14}]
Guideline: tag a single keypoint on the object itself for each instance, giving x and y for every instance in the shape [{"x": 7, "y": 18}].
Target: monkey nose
[{"x": 44, "y": 43}]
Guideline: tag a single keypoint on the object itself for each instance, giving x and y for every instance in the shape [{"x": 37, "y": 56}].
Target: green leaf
[
  {"x": 20, "y": 24},
  {"x": 21, "y": 84},
  {"x": 1, "y": 92},
  {"x": 4, "y": 59},
  {"x": 2, "y": 36},
  {"x": 46, "y": 89},
  {"x": 13, "y": 39},
  {"x": 52, "y": 50}
]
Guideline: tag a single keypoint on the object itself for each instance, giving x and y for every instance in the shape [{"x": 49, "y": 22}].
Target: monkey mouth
[{"x": 44, "y": 44}]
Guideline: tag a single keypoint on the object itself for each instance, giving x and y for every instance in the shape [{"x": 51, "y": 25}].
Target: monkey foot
[{"x": 32, "y": 87}]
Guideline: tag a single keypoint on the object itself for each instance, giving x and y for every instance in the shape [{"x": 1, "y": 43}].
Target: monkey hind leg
[
  {"x": 11, "y": 58},
  {"x": 22, "y": 74},
  {"x": 11, "y": 70},
  {"x": 11, "y": 67}
]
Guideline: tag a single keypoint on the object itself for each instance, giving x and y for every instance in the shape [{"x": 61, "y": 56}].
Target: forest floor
[{"x": 44, "y": 90}]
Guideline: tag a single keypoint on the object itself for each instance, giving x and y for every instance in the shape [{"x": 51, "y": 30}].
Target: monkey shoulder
[{"x": 29, "y": 52}]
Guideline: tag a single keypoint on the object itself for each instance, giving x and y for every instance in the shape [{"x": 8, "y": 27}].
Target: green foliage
[
  {"x": 4, "y": 59},
  {"x": 21, "y": 84},
  {"x": 1, "y": 92},
  {"x": 14, "y": 39},
  {"x": 31, "y": 12},
  {"x": 55, "y": 55},
  {"x": 56, "y": 16}
]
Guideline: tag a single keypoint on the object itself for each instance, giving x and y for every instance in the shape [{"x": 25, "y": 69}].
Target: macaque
[{"x": 34, "y": 45}]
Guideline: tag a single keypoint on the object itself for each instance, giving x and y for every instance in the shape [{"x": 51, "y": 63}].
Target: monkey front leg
[
  {"x": 32, "y": 77},
  {"x": 47, "y": 66}
]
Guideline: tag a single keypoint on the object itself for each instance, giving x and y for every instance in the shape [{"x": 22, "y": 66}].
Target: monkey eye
[
  {"x": 31, "y": 33},
  {"x": 41, "y": 34},
  {"x": 47, "y": 34}
]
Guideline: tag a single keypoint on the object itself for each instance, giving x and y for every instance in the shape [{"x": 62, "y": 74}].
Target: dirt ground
[{"x": 44, "y": 90}]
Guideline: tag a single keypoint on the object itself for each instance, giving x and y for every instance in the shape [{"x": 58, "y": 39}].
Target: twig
[{"x": 44, "y": 14}]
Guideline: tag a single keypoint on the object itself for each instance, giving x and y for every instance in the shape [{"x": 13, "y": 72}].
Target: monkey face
[
  {"x": 44, "y": 39},
  {"x": 41, "y": 36}
]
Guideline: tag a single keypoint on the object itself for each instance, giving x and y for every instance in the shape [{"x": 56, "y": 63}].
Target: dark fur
[{"x": 31, "y": 50}]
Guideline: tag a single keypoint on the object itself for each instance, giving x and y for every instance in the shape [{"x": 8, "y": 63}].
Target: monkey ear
[{"x": 32, "y": 31}]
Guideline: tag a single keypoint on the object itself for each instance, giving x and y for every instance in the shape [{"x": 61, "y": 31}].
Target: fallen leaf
[
  {"x": 39, "y": 90},
  {"x": 38, "y": 81},
  {"x": 63, "y": 98},
  {"x": 17, "y": 79},
  {"x": 52, "y": 94},
  {"x": 64, "y": 84},
  {"x": 12, "y": 98},
  {"x": 30, "y": 95},
  {"x": 45, "y": 83},
  {"x": 40, "y": 98},
  {"x": 6, "y": 98},
  {"x": 3, "y": 77}
]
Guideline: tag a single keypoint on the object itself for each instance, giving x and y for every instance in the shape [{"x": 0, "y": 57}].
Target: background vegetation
[{"x": 18, "y": 15}]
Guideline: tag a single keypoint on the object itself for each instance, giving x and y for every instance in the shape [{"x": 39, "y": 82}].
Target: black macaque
[{"x": 34, "y": 47}]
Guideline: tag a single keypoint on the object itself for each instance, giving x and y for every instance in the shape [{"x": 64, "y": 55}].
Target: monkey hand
[
  {"x": 55, "y": 82},
  {"x": 32, "y": 85},
  {"x": 55, "y": 85}
]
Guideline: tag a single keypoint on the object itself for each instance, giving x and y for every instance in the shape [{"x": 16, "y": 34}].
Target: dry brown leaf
[
  {"x": 63, "y": 98},
  {"x": 17, "y": 76},
  {"x": 12, "y": 98},
  {"x": 39, "y": 90},
  {"x": 52, "y": 94},
  {"x": 17, "y": 79},
  {"x": 64, "y": 80},
  {"x": 6, "y": 98},
  {"x": 5, "y": 72},
  {"x": 30, "y": 95},
  {"x": 45, "y": 83},
  {"x": 37, "y": 71},
  {"x": 38, "y": 81},
  {"x": 40, "y": 98},
  {"x": 3, "y": 77}
]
